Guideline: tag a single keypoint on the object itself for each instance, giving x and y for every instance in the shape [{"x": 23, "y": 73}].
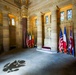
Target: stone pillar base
[
  {"x": 39, "y": 47},
  {"x": 53, "y": 49}
]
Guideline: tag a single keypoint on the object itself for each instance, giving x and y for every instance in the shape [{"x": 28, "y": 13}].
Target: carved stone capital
[{"x": 23, "y": 11}]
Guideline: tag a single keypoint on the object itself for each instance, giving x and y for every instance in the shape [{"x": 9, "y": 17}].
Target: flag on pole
[
  {"x": 65, "y": 41},
  {"x": 60, "y": 41},
  {"x": 71, "y": 43}
]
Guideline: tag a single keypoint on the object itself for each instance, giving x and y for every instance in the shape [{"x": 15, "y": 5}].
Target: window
[
  {"x": 13, "y": 21},
  {"x": 62, "y": 16},
  {"x": 69, "y": 14},
  {"x": 46, "y": 19}
]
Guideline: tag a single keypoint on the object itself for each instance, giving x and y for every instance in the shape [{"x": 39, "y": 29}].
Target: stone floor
[{"x": 39, "y": 63}]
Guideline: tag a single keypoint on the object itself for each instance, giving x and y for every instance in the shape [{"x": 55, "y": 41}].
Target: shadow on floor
[{"x": 14, "y": 66}]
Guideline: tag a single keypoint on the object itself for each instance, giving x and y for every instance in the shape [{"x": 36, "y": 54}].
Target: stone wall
[
  {"x": 74, "y": 22},
  {"x": 7, "y": 7},
  {"x": 36, "y": 8},
  {"x": 55, "y": 25},
  {"x": 1, "y": 38},
  {"x": 1, "y": 33}
]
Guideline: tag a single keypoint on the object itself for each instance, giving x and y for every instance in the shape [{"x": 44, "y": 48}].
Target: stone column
[
  {"x": 24, "y": 24},
  {"x": 39, "y": 31},
  {"x": 74, "y": 23},
  {"x": 20, "y": 33},
  {"x": 17, "y": 33},
  {"x": 5, "y": 31},
  {"x": 28, "y": 24},
  {"x": 54, "y": 29}
]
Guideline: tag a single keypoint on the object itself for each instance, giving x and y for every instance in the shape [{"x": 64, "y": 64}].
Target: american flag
[
  {"x": 71, "y": 43},
  {"x": 61, "y": 41}
]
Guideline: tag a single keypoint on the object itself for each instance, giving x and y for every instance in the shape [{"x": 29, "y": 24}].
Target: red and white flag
[{"x": 65, "y": 41}]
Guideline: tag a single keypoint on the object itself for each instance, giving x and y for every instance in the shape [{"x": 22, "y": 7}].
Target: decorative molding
[{"x": 48, "y": 6}]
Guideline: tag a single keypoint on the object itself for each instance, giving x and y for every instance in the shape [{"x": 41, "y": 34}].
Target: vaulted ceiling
[{"x": 17, "y": 3}]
